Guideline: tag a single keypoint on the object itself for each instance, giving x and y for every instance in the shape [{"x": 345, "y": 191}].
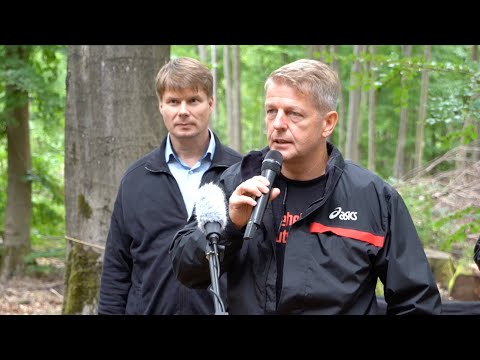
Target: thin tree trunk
[
  {"x": 236, "y": 119},
  {"x": 476, "y": 154},
  {"x": 316, "y": 52},
  {"x": 112, "y": 119},
  {"x": 202, "y": 53},
  {"x": 215, "y": 84},
  {"x": 422, "y": 112},
  {"x": 399, "y": 165},
  {"x": 372, "y": 107},
  {"x": 18, "y": 209},
  {"x": 334, "y": 49},
  {"x": 228, "y": 93},
  {"x": 461, "y": 161},
  {"x": 353, "y": 131}
]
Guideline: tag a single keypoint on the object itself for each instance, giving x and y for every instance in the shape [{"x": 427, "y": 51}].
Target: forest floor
[{"x": 32, "y": 296}]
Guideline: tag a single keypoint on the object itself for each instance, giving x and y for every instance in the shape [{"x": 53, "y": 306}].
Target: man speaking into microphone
[{"x": 329, "y": 229}]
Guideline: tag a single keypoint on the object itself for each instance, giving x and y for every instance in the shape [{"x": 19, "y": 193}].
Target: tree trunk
[
  {"x": 215, "y": 84},
  {"x": 236, "y": 119},
  {"x": 372, "y": 107},
  {"x": 112, "y": 119},
  {"x": 316, "y": 52},
  {"x": 202, "y": 53},
  {"x": 228, "y": 93},
  {"x": 422, "y": 112},
  {"x": 399, "y": 165},
  {"x": 353, "y": 131},
  {"x": 476, "y": 155},
  {"x": 18, "y": 209},
  {"x": 341, "y": 125},
  {"x": 470, "y": 121}
]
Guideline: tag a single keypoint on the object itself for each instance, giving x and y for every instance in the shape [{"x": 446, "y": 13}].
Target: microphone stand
[{"x": 212, "y": 252}]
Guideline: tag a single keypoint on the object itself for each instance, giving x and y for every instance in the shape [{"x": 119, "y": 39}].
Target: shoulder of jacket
[
  {"x": 357, "y": 174},
  {"x": 140, "y": 163}
]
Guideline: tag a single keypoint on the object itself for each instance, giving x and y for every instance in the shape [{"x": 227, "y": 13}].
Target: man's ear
[{"x": 331, "y": 119}]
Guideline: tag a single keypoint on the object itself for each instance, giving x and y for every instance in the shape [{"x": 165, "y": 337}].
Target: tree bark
[
  {"x": 422, "y": 112},
  {"x": 372, "y": 107},
  {"x": 476, "y": 155},
  {"x": 112, "y": 119},
  {"x": 236, "y": 118},
  {"x": 341, "y": 125},
  {"x": 202, "y": 53},
  {"x": 353, "y": 131},
  {"x": 215, "y": 85},
  {"x": 399, "y": 165},
  {"x": 228, "y": 93},
  {"x": 18, "y": 209}
]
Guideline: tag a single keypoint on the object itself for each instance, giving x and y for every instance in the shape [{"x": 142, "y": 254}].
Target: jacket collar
[
  {"x": 252, "y": 163},
  {"x": 156, "y": 161}
]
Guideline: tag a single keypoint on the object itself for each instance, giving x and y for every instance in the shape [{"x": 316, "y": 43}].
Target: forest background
[{"x": 72, "y": 118}]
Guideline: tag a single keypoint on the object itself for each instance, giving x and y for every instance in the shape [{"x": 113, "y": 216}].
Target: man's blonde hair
[
  {"x": 184, "y": 73},
  {"x": 310, "y": 77}
]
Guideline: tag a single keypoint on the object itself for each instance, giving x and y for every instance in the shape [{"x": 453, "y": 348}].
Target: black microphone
[
  {"x": 271, "y": 166},
  {"x": 211, "y": 211}
]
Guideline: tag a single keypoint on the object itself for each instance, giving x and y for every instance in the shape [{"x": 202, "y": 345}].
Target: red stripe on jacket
[{"x": 354, "y": 234}]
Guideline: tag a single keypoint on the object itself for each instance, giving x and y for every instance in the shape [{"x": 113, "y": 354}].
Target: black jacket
[
  {"x": 137, "y": 277},
  {"x": 331, "y": 262},
  {"x": 476, "y": 253}
]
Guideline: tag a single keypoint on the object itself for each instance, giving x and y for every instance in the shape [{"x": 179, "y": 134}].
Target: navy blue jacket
[
  {"x": 360, "y": 230},
  {"x": 137, "y": 276}
]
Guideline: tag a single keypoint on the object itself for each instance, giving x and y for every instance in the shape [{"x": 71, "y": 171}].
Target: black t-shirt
[{"x": 295, "y": 197}]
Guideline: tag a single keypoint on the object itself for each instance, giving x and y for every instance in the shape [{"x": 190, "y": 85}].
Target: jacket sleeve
[
  {"x": 189, "y": 260},
  {"x": 476, "y": 253},
  {"x": 409, "y": 285},
  {"x": 117, "y": 266}
]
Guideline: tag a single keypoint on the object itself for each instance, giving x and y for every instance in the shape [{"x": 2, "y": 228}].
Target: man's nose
[
  {"x": 280, "y": 119},
  {"x": 183, "y": 107}
]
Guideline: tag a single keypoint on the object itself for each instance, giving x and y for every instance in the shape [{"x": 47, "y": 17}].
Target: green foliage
[
  {"x": 44, "y": 263},
  {"x": 3, "y": 179},
  {"x": 421, "y": 208},
  {"x": 42, "y": 74},
  {"x": 177, "y": 51},
  {"x": 439, "y": 228},
  {"x": 457, "y": 225}
]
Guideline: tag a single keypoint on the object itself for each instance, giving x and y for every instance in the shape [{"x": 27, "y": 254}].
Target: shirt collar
[{"x": 169, "y": 152}]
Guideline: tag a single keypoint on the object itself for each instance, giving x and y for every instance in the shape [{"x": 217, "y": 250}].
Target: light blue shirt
[{"x": 188, "y": 178}]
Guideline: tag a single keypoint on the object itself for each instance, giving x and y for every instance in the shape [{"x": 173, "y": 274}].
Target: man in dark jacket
[
  {"x": 331, "y": 230},
  {"x": 156, "y": 198}
]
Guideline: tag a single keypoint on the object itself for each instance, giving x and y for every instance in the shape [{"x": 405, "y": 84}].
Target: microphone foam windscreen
[{"x": 210, "y": 206}]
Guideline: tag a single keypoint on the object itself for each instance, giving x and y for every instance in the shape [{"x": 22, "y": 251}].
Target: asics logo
[{"x": 343, "y": 215}]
